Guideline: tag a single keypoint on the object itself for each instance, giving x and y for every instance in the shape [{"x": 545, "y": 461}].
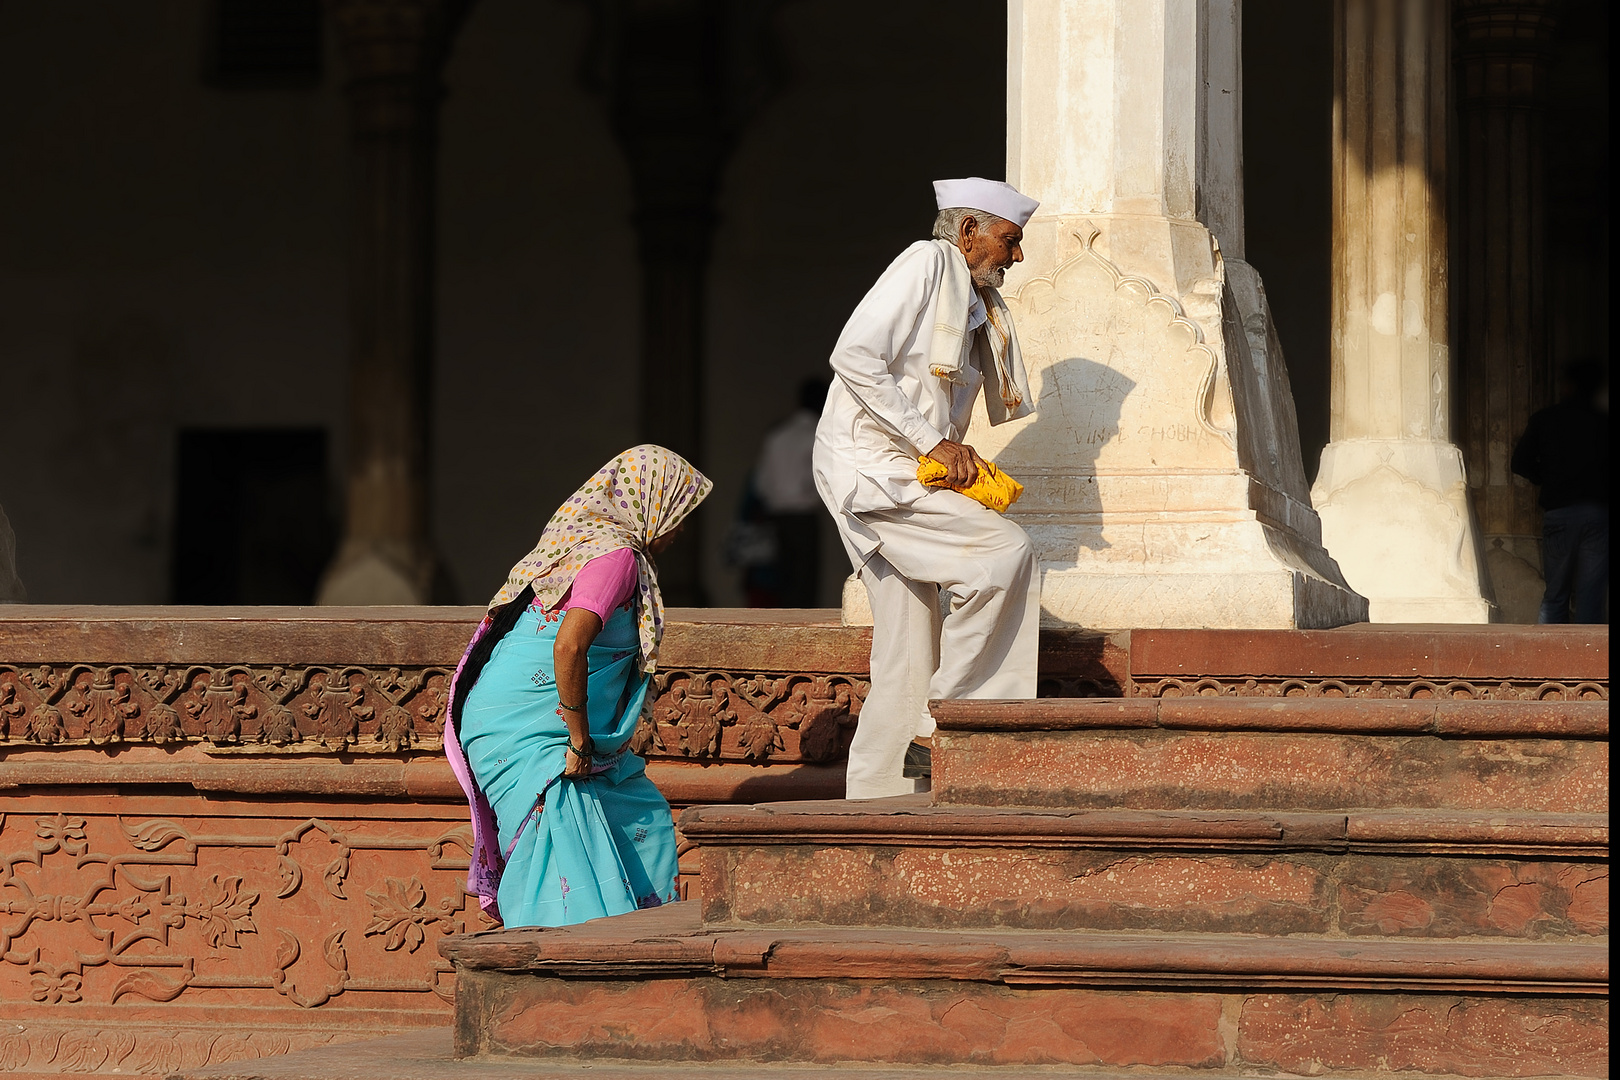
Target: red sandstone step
[
  {"x": 1274, "y": 753},
  {"x": 428, "y": 1055},
  {"x": 656, "y": 985},
  {"x": 903, "y": 862}
]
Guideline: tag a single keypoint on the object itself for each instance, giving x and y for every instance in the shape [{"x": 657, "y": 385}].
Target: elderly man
[{"x": 927, "y": 339}]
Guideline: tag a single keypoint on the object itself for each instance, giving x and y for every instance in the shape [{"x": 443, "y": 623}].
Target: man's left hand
[{"x": 962, "y": 462}]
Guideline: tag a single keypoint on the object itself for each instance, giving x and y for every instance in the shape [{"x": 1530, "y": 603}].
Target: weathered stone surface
[
  {"x": 838, "y": 1020},
  {"x": 37, "y": 1042},
  {"x": 1391, "y": 486},
  {"x": 181, "y": 900},
  {"x": 671, "y": 941},
  {"x": 1565, "y": 719},
  {"x": 1446, "y": 897},
  {"x": 1125, "y": 890},
  {"x": 368, "y": 680},
  {"x": 918, "y": 865},
  {"x": 1012, "y": 887},
  {"x": 1155, "y": 769},
  {"x": 1394, "y": 654},
  {"x": 916, "y": 821},
  {"x": 149, "y": 932},
  {"x": 427, "y": 1055},
  {"x": 1313, "y": 1034},
  {"x": 655, "y": 985}
]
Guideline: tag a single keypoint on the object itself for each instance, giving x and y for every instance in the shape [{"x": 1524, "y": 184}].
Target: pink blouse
[{"x": 604, "y": 584}]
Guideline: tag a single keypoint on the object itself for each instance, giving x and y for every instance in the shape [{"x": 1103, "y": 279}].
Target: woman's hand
[
  {"x": 577, "y": 766},
  {"x": 570, "y": 657}
]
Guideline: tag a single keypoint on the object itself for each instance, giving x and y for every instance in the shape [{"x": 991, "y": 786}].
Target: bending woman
[{"x": 566, "y": 825}]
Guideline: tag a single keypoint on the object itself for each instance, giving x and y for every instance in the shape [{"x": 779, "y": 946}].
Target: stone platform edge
[
  {"x": 1582, "y": 719},
  {"x": 800, "y": 639},
  {"x": 911, "y": 821},
  {"x": 671, "y": 941}
]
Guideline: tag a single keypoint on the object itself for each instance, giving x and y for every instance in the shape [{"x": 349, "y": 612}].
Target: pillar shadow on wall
[
  {"x": 1077, "y": 413},
  {"x": 1078, "y": 405},
  {"x": 1081, "y": 401}
]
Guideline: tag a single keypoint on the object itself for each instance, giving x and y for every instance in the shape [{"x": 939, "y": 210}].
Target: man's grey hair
[{"x": 948, "y": 225}]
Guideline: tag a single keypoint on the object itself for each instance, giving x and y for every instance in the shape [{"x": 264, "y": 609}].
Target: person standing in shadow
[
  {"x": 782, "y": 512},
  {"x": 1565, "y": 452}
]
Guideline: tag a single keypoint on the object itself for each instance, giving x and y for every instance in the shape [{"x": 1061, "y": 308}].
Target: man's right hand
[{"x": 962, "y": 462}]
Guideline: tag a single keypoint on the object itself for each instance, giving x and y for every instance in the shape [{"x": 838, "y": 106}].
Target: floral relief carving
[
  {"x": 399, "y": 911},
  {"x": 260, "y": 709},
  {"x": 731, "y": 716},
  {"x": 46, "y": 1049},
  {"x": 102, "y": 705},
  {"x": 45, "y": 725},
  {"x": 10, "y": 707},
  {"x": 247, "y": 708},
  {"x": 690, "y": 714},
  {"x": 98, "y": 908}
]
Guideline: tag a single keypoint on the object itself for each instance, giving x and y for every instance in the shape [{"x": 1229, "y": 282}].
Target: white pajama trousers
[{"x": 985, "y": 646}]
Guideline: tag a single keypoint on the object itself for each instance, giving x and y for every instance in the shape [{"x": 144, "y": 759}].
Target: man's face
[{"x": 990, "y": 251}]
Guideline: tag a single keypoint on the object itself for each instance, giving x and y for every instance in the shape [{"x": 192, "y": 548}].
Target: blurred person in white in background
[{"x": 778, "y": 536}]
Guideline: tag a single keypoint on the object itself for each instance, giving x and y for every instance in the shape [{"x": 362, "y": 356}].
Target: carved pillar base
[
  {"x": 380, "y": 572},
  {"x": 1163, "y": 473},
  {"x": 1420, "y": 564}
]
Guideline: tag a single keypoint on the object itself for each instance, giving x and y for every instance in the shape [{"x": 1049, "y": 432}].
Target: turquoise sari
[{"x": 575, "y": 849}]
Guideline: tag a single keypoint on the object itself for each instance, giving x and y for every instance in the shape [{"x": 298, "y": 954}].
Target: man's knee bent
[{"x": 1012, "y": 559}]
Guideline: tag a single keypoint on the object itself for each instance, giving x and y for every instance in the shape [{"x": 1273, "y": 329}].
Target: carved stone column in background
[
  {"x": 681, "y": 78},
  {"x": 1391, "y": 489},
  {"x": 1503, "y": 374},
  {"x": 394, "y": 51},
  {"x": 11, "y": 586}
]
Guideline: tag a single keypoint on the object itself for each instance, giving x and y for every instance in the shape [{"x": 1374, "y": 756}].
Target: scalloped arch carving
[{"x": 1121, "y": 374}]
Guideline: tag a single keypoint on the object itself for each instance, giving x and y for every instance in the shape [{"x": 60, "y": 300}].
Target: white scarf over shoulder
[{"x": 952, "y": 349}]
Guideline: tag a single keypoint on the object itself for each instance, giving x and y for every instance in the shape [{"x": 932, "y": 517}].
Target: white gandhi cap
[{"x": 992, "y": 196}]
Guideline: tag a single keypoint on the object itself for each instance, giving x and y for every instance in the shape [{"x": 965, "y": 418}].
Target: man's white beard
[{"x": 991, "y": 280}]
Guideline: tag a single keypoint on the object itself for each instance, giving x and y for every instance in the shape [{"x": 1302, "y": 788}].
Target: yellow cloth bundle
[{"x": 993, "y": 487}]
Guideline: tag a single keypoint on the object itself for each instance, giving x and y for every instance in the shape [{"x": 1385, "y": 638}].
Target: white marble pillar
[
  {"x": 1162, "y": 468},
  {"x": 1391, "y": 489}
]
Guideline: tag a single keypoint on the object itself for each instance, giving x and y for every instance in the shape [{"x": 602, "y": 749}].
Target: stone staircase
[{"x": 1212, "y": 885}]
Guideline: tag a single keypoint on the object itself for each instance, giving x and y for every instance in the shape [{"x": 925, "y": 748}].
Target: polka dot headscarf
[{"x": 631, "y": 501}]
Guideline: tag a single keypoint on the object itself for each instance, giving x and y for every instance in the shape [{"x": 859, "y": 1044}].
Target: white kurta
[
  {"x": 885, "y": 408},
  {"x": 907, "y": 541}
]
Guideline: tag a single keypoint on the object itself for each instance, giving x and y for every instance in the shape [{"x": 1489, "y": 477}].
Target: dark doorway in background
[
  {"x": 252, "y": 523},
  {"x": 1288, "y": 192}
]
